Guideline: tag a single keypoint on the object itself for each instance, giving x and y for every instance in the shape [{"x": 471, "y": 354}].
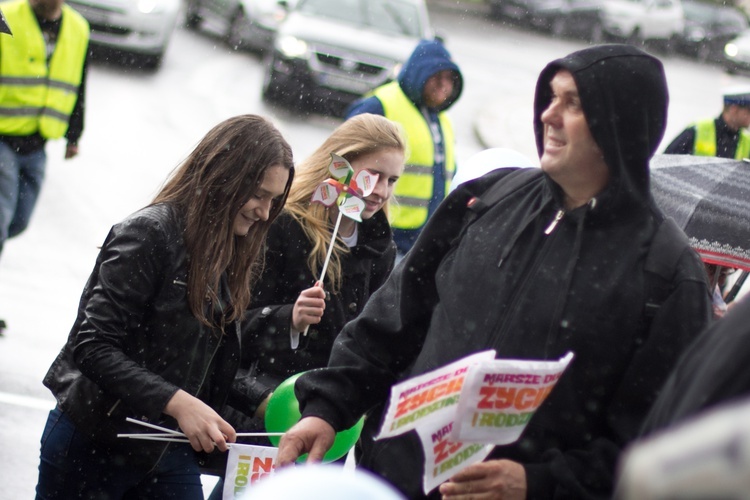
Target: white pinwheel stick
[
  {"x": 351, "y": 205},
  {"x": 328, "y": 256}
]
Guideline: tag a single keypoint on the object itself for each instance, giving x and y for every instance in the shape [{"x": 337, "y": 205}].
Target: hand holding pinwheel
[{"x": 349, "y": 190}]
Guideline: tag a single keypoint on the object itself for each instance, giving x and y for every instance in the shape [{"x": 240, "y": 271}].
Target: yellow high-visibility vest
[
  {"x": 414, "y": 188},
  {"x": 35, "y": 96},
  {"x": 705, "y": 141}
]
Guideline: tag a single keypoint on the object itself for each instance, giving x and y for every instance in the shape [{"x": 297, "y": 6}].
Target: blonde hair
[{"x": 360, "y": 135}]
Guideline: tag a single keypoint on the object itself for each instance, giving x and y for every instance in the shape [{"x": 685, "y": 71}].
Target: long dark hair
[{"x": 209, "y": 188}]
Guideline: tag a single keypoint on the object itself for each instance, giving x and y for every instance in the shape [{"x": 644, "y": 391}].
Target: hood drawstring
[{"x": 568, "y": 276}]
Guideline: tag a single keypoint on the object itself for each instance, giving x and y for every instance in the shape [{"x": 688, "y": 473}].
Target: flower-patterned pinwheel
[
  {"x": 349, "y": 190},
  {"x": 345, "y": 187}
]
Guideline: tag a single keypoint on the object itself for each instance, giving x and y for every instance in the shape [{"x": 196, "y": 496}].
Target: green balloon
[{"x": 282, "y": 413}]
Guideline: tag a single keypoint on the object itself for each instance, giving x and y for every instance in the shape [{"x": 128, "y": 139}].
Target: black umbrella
[{"x": 709, "y": 198}]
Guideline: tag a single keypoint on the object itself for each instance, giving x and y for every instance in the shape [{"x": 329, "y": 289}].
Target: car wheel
[
  {"x": 272, "y": 91},
  {"x": 558, "y": 27},
  {"x": 703, "y": 54},
  {"x": 237, "y": 30},
  {"x": 153, "y": 62},
  {"x": 496, "y": 10},
  {"x": 635, "y": 37},
  {"x": 597, "y": 34},
  {"x": 192, "y": 14}
]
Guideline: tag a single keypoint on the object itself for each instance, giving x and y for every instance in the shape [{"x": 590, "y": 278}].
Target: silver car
[
  {"x": 244, "y": 24},
  {"x": 737, "y": 54},
  {"x": 143, "y": 27},
  {"x": 329, "y": 52}
]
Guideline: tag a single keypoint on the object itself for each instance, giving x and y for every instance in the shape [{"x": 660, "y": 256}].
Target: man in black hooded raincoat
[{"x": 557, "y": 265}]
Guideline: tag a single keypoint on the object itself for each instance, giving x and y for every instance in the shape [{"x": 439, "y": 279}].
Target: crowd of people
[{"x": 233, "y": 278}]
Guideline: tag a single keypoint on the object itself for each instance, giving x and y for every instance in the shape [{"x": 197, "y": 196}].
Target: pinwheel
[
  {"x": 345, "y": 187},
  {"x": 349, "y": 191}
]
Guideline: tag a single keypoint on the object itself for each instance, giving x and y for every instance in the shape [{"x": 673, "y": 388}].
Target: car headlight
[
  {"x": 291, "y": 46},
  {"x": 731, "y": 50},
  {"x": 696, "y": 34}
]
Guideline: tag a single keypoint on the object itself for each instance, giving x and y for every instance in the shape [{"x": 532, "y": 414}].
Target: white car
[
  {"x": 143, "y": 27},
  {"x": 244, "y": 24},
  {"x": 639, "y": 20}
]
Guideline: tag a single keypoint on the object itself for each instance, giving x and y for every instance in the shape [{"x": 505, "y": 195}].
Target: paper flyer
[
  {"x": 444, "y": 458},
  {"x": 428, "y": 398},
  {"x": 246, "y": 464},
  {"x": 500, "y": 396}
]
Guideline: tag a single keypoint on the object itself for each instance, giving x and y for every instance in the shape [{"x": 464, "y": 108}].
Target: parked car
[
  {"x": 330, "y": 52},
  {"x": 558, "y": 17},
  {"x": 636, "y": 21},
  {"x": 737, "y": 53},
  {"x": 244, "y": 24},
  {"x": 142, "y": 27},
  {"x": 708, "y": 28}
]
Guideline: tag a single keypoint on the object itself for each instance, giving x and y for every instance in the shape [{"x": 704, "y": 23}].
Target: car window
[
  {"x": 732, "y": 19},
  {"x": 697, "y": 12},
  {"x": 388, "y": 16}
]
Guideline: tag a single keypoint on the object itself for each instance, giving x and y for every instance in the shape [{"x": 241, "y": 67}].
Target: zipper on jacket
[{"x": 553, "y": 224}]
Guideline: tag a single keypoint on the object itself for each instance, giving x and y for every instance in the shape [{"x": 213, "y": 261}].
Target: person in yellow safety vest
[
  {"x": 42, "y": 89},
  {"x": 725, "y": 136},
  {"x": 4, "y": 28},
  {"x": 428, "y": 84}
]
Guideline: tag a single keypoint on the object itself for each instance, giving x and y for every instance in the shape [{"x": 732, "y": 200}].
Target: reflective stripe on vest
[
  {"x": 705, "y": 141},
  {"x": 35, "y": 97},
  {"x": 415, "y": 186}
]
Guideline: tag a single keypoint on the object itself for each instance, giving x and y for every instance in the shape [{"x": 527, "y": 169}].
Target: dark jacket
[
  {"x": 135, "y": 341},
  {"x": 286, "y": 274},
  {"x": 714, "y": 370},
  {"x": 507, "y": 285}
]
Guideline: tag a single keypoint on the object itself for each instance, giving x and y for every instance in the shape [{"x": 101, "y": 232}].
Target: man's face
[
  {"x": 743, "y": 117},
  {"x": 48, "y": 9},
  {"x": 571, "y": 157},
  {"x": 438, "y": 88}
]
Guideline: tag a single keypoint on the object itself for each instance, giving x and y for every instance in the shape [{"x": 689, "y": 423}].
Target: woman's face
[
  {"x": 259, "y": 206},
  {"x": 388, "y": 164}
]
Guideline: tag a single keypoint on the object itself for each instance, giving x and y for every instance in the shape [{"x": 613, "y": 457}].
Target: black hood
[{"x": 624, "y": 96}]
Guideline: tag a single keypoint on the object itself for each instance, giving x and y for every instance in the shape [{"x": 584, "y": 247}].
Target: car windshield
[
  {"x": 732, "y": 19},
  {"x": 698, "y": 12},
  {"x": 388, "y": 16}
]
